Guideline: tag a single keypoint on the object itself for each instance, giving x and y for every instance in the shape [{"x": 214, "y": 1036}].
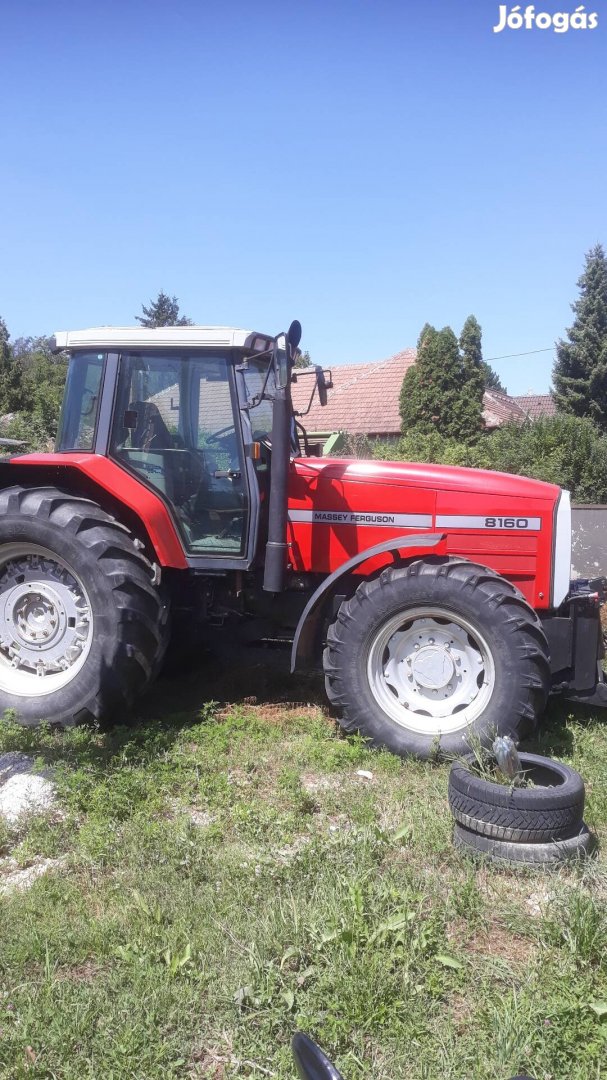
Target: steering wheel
[{"x": 215, "y": 436}]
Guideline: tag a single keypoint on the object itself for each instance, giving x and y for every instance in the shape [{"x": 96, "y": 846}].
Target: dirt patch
[
  {"x": 208, "y": 1065},
  {"x": 211, "y": 1062},
  {"x": 202, "y": 819},
  {"x": 15, "y": 878},
  {"x": 278, "y": 713},
  {"x": 86, "y": 972},
  {"x": 288, "y": 852},
  {"x": 492, "y": 940},
  {"x": 461, "y": 1013},
  {"x": 313, "y": 783}
]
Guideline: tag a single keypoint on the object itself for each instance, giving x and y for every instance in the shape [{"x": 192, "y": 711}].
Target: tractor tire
[
  {"x": 573, "y": 848},
  {"x": 426, "y": 657},
  {"x": 83, "y": 625},
  {"x": 553, "y": 809}
]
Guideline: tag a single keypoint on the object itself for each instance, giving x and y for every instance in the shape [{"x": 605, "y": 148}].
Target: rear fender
[
  {"x": 95, "y": 477},
  {"x": 403, "y": 549}
]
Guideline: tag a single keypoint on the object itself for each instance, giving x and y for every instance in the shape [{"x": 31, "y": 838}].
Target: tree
[
  {"x": 470, "y": 343},
  {"x": 11, "y": 381},
  {"x": 580, "y": 368},
  {"x": 43, "y": 381},
  {"x": 302, "y": 360},
  {"x": 163, "y": 311},
  {"x": 443, "y": 390}
]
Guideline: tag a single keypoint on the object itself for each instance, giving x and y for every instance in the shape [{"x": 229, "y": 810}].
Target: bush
[{"x": 566, "y": 450}]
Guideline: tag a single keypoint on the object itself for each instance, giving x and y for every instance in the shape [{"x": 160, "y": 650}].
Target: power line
[{"x": 509, "y": 356}]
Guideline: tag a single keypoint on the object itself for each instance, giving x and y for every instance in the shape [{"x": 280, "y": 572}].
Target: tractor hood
[
  {"x": 520, "y": 528},
  {"x": 429, "y": 477}
]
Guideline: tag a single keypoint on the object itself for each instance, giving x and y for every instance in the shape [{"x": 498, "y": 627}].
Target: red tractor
[{"x": 436, "y": 599}]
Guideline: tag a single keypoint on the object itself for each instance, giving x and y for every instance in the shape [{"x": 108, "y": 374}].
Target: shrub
[{"x": 566, "y": 450}]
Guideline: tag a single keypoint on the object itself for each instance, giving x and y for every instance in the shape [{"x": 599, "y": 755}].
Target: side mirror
[
  {"x": 310, "y": 1061},
  {"x": 294, "y": 334},
  {"x": 281, "y": 361},
  {"x": 322, "y": 385}
]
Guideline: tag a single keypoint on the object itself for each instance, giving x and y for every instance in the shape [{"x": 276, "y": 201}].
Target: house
[{"x": 365, "y": 401}]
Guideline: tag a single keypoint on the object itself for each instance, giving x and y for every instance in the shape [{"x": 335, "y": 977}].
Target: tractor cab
[{"x": 189, "y": 412}]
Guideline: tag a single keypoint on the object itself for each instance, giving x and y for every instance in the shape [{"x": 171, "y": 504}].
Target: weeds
[{"x": 231, "y": 877}]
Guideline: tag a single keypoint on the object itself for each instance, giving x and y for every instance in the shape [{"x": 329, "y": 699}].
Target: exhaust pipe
[{"x": 276, "y": 547}]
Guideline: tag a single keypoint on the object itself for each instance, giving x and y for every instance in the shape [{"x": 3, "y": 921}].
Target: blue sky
[{"x": 362, "y": 166}]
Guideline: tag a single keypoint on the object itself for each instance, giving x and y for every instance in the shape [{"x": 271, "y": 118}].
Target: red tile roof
[
  {"x": 499, "y": 408},
  {"x": 536, "y": 405},
  {"x": 365, "y": 398}
]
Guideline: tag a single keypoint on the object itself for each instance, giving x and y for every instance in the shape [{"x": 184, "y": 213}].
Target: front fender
[{"x": 313, "y": 614}]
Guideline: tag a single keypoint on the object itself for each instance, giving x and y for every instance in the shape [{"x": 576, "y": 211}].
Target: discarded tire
[
  {"x": 552, "y": 809},
  {"x": 572, "y": 849}
]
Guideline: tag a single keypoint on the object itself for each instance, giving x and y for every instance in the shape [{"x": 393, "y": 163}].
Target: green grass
[{"x": 228, "y": 878}]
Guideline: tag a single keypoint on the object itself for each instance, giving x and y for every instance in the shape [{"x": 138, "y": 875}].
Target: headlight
[{"x": 561, "y": 550}]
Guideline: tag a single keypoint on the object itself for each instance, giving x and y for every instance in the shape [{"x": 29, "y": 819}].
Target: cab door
[
  {"x": 219, "y": 516},
  {"x": 176, "y": 425}
]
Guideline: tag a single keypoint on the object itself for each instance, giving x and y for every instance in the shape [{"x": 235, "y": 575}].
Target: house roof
[
  {"x": 365, "y": 399},
  {"x": 499, "y": 408},
  {"x": 536, "y": 405}
]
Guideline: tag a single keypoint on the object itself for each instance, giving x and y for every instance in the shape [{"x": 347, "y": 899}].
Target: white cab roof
[{"x": 108, "y": 337}]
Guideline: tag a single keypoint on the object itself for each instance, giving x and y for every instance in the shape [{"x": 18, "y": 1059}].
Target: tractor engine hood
[
  {"x": 521, "y": 528},
  {"x": 428, "y": 477}
]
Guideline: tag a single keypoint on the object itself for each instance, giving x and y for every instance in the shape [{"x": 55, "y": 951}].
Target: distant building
[{"x": 365, "y": 400}]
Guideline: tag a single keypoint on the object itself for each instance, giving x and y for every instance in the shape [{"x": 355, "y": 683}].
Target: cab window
[
  {"x": 80, "y": 409},
  {"x": 174, "y": 426}
]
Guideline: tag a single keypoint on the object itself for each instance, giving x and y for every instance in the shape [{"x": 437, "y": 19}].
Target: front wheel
[
  {"x": 82, "y": 622},
  {"x": 424, "y": 658}
]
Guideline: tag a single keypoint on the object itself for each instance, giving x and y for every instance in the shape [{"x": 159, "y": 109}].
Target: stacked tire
[{"x": 541, "y": 822}]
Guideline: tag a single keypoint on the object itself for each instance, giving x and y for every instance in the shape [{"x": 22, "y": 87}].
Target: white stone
[{"x": 25, "y": 793}]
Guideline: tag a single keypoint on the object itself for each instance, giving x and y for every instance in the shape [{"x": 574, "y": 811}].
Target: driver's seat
[{"x": 150, "y": 431}]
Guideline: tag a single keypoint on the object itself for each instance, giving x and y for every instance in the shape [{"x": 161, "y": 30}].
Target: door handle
[{"x": 227, "y": 474}]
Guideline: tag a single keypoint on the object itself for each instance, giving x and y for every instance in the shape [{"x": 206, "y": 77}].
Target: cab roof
[{"x": 109, "y": 337}]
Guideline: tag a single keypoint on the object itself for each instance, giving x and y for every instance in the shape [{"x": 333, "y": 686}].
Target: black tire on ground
[
  {"x": 487, "y": 618},
  {"x": 574, "y": 848},
  {"x": 95, "y": 558},
  {"x": 553, "y": 809}
]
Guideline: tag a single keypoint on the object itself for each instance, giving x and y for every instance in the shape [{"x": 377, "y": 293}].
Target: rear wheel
[
  {"x": 424, "y": 657},
  {"x": 82, "y": 624}
]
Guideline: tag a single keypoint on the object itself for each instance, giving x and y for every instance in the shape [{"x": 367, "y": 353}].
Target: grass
[{"x": 227, "y": 877}]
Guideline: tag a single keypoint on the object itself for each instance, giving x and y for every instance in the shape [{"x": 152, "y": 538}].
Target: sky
[{"x": 365, "y": 166}]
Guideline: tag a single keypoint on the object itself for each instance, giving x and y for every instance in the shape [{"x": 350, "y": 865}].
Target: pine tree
[
  {"x": 163, "y": 311},
  {"x": 443, "y": 390},
  {"x": 580, "y": 368},
  {"x": 470, "y": 343}
]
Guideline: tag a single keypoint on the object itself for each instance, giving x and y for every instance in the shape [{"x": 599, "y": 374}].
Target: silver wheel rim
[
  {"x": 431, "y": 671},
  {"x": 46, "y": 621}
]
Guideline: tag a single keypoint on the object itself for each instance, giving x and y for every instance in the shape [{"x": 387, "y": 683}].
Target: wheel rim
[
  {"x": 46, "y": 622},
  {"x": 430, "y": 670}
]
